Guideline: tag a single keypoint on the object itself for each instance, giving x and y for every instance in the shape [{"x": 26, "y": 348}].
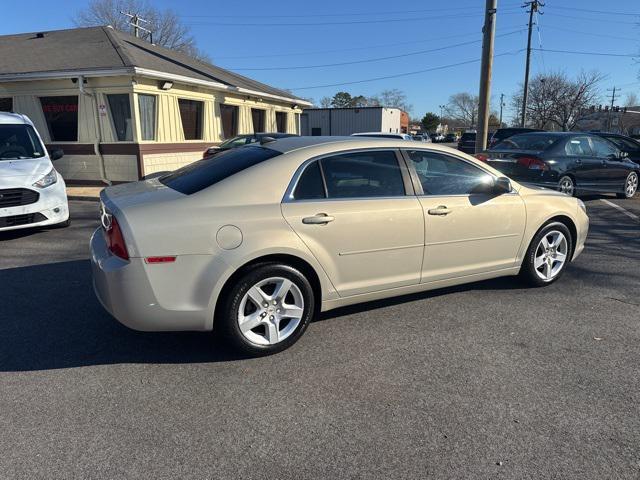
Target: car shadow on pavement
[{"x": 50, "y": 319}]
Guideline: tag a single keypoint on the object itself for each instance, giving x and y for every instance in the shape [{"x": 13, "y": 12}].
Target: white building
[{"x": 345, "y": 121}]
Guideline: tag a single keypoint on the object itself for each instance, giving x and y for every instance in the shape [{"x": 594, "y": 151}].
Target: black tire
[
  {"x": 528, "y": 271},
  {"x": 567, "y": 185},
  {"x": 626, "y": 193},
  {"x": 226, "y": 323}
]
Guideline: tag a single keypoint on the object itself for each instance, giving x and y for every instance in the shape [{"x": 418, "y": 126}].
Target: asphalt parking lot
[{"x": 488, "y": 380}]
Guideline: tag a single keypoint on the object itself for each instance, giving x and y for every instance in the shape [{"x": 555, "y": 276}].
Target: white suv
[{"x": 32, "y": 192}]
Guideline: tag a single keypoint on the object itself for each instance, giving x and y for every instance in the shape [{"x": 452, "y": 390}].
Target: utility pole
[
  {"x": 501, "y": 105},
  {"x": 613, "y": 99},
  {"x": 489, "y": 32},
  {"x": 533, "y": 5},
  {"x": 135, "y": 23}
]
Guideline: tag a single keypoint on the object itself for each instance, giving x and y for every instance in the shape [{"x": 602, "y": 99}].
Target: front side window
[
  {"x": 229, "y": 117},
  {"x": 281, "y": 122},
  {"x": 61, "y": 115},
  {"x": 202, "y": 174},
  {"x": 625, "y": 144},
  {"x": 120, "y": 109},
  {"x": 6, "y": 104},
  {"x": 577, "y": 147},
  {"x": 441, "y": 174},
  {"x": 19, "y": 142},
  {"x": 603, "y": 148},
  {"x": 257, "y": 117},
  {"x": 147, "y": 107},
  {"x": 363, "y": 175},
  {"x": 191, "y": 115}
]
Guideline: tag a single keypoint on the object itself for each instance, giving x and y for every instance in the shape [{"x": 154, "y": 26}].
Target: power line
[
  {"x": 405, "y": 74},
  {"x": 601, "y": 54},
  {"x": 607, "y": 12},
  {"x": 340, "y": 50},
  {"x": 599, "y": 20},
  {"x": 604, "y": 35},
  {"x": 349, "y": 22},
  {"x": 370, "y": 60}
]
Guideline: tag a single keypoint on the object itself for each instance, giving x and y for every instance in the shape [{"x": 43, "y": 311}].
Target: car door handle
[
  {"x": 441, "y": 210},
  {"x": 318, "y": 219},
  {"x": 578, "y": 161}
]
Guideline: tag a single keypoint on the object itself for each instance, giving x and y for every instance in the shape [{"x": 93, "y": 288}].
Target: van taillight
[
  {"x": 115, "y": 240},
  {"x": 533, "y": 163}
]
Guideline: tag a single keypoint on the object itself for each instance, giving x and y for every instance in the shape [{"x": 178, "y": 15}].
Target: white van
[{"x": 32, "y": 192}]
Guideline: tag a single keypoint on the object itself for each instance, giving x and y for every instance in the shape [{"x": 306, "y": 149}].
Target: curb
[{"x": 83, "y": 198}]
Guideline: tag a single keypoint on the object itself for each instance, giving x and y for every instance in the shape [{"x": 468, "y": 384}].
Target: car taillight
[
  {"x": 533, "y": 163},
  {"x": 481, "y": 156},
  {"x": 115, "y": 240}
]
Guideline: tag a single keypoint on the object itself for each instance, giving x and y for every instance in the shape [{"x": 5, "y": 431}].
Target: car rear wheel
[
  {"x": 566, "y": 185},
  {"x": 630, "y": 186},
  {"x": 267, "y": 310},
  {"x": 547, "y": 255}
]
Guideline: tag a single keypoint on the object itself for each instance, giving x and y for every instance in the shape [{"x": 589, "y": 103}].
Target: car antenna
[{"x": 264, "y": 140}]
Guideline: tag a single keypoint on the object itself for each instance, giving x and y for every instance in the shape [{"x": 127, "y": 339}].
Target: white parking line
[{"x": 620, "y": 209}]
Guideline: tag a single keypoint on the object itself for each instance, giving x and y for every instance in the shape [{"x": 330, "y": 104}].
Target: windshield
[
  {"x": 204, "y": 173},
  {"x": 19, "y": 141},
  {"x": 527, "y": 141}
]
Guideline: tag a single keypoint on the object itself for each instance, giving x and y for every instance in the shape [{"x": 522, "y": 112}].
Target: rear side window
[
  {"x": 310, "y": 185},
  {"x": 204, "y": 173},
  {"x": 363, "y": 175},
  {"x": 527, "y": 141}
]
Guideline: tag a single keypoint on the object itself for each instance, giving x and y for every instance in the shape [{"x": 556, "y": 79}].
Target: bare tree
[
  {"x": 631, "y": 100},
  {"x": 463, "y": 108},
  {"x": 557, "y": 102},
  {"x": 325, "y": 102},
  {"x": 393, "y": 98},
  {"x": 168, "y": 30}
]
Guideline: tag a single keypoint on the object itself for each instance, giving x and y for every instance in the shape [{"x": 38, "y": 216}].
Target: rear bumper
[
  {"x": 161, "y": 300},
  {"x": 51, "y": 205}
]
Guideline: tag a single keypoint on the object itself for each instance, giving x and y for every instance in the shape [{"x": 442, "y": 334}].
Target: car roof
[
  {"x": 13, "y": 118},
  {"x": 289, "y": 144}
]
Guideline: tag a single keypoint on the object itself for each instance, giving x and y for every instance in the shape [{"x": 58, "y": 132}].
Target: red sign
[{"x": 60, "y": 107}]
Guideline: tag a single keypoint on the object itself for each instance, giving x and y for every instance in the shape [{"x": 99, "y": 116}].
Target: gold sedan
[{"x": 255, "y": 241}]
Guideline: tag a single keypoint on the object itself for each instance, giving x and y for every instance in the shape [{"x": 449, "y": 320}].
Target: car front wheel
[
  {"x": 547, "y": 255},
  {"x": 630, "y": 186},
  {"x": 267, "y": 310}
]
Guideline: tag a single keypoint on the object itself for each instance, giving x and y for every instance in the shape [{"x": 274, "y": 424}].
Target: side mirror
[
  {"x": 56, "y": 155},
  {"x": 502, "y": 185},
  {"x": 624, "y": 155}
]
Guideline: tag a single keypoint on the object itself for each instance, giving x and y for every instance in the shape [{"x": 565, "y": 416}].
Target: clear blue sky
[{"x": 357, "y": 30}]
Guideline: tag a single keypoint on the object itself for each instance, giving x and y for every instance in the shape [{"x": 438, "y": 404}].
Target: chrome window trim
[{"x": 293, "y": 183}]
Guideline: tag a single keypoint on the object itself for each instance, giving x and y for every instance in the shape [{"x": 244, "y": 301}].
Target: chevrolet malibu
[{"x": 255, "y": 241}]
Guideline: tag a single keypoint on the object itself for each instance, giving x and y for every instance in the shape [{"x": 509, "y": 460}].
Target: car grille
[
  {"x": 15, "y": 197},
  {"x": 26, "y": 219}
]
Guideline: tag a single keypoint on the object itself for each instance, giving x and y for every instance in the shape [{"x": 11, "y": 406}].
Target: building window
[
  {"x": 316, "y": 132},
  {"x": 257, "y": 116},
  {"x": 229, "y": 114},
  {"x": 6, "y": 104},
  {"x": 191, "y": 115},
  {"x": 147, "y": 107},
  {"x": 281, "y": 122},
  {"x": 120, "y": 109},
  {"x": 61, "y": 115}
]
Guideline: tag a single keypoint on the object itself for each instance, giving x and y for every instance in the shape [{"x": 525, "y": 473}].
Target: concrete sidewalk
[{"x": 84, "y": 193}]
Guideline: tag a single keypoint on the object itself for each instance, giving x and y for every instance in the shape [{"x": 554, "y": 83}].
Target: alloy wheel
[
  {"x": 551, "y": 255},
  {"x": 631, "y": 186},
  {"x": 270, "y": 311},
  {"x": 566, "y": 185}
]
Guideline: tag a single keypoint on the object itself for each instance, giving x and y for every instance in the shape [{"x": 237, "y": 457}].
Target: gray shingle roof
[{"x": 95, "y": 48}]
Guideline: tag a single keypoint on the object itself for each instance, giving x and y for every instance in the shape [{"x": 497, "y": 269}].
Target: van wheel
[
  {"x": 547, "y": 255},
  {"x": 267, "y": 310}
]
